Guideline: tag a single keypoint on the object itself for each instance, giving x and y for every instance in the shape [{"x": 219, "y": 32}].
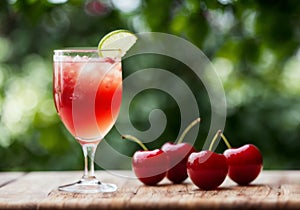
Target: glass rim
[{"x": 84, "y": 49}]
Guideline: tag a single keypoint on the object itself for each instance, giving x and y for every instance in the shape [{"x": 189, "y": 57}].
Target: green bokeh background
[{"x": 254, "y": 46}]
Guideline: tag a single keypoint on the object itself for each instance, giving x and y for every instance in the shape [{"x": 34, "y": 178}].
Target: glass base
[{"x": 88, "y": 185}]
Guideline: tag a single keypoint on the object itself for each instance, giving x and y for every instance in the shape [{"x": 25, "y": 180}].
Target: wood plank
[
  {"x": 8, "y": 177},
  {"x": 187, "y": 196},
  {"x": 29, "y": 189},
  {"x": 272, "y": 189}
]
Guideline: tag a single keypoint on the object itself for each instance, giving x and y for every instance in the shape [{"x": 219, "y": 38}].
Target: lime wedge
[{"x": 122, "y": 40}]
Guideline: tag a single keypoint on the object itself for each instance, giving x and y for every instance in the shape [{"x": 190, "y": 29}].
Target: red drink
[{"x": 87, "y": 94}]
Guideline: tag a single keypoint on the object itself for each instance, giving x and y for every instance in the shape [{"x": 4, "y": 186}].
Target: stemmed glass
[{"x": 87, "y": 90}]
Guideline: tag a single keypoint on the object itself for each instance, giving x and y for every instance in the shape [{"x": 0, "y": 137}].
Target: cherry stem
[
  {"x": 136, "y": 140},
  {"x": 226, "y": 141},
  {"x": 188, "y": 128},
  {"x": 219, "y": 132}
]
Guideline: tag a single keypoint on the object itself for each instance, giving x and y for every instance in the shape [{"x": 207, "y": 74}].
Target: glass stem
[{"x": 89, "y": 154}]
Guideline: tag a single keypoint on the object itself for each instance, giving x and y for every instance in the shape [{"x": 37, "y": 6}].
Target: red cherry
[
  {"x": 178, "y": 155},
  {"x": 207, "y": 169},
  {"x": 150, "y": 167},
  {"x": 245, "y": 163}
]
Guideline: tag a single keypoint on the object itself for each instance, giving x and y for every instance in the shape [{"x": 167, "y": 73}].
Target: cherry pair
[
  {"x": 208, "y": 170},
  {"x": 152, "y": 166}
]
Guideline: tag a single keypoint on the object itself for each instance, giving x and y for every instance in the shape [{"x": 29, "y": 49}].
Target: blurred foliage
[{"x": 254, "y": 46}]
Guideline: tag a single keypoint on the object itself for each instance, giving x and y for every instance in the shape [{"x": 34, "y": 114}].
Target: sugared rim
[{"x": 84, "y": 49}]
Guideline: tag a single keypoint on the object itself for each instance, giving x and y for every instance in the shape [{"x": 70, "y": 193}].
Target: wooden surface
[{"x": 38, "y": 190}]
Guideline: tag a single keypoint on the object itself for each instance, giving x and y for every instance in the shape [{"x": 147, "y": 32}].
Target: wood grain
[
  {"x": 7, "y": 177},
  {"x": 38, "y": 190}
]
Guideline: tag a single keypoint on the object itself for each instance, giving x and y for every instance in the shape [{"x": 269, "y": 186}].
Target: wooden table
[{"x": 38, "y": 190}]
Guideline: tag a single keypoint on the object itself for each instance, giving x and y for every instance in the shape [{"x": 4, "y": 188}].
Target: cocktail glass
[{"x": 87, "y": 90}]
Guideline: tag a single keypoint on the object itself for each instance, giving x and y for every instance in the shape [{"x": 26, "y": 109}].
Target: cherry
[
  {"x": 207, "y": 169},
  {"x": 150, "y": 167},
  {"x": 178, "y": 154},
  {"x": 244, "y": 163}
]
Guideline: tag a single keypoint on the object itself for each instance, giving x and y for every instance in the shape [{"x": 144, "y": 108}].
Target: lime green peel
[{"x": 119, "y": 40}]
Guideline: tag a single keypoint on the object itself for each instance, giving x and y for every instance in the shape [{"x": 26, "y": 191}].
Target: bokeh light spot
[{"x": 126, "y": 6}]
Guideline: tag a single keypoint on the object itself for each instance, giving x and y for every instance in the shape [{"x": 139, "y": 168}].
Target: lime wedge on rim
[{"x": 122, "y": 40}]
